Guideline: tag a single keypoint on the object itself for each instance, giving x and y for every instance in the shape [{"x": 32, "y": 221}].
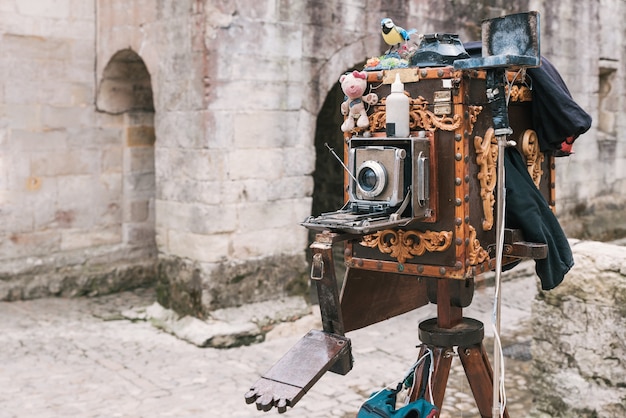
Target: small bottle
[{"x": 397, "y": 111}]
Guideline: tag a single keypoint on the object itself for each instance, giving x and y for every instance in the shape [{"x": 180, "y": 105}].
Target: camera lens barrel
[{"x": 371, "y": 178}]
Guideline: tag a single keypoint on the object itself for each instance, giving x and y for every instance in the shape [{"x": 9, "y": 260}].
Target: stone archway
[
  {"x": 328, "y": 174},
  {"x": 125, "y": 91}
]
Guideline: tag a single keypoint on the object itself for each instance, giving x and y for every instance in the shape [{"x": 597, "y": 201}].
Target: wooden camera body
[
  {"x": 450, "y": 109},
  {"x": 450, "y": 230}
]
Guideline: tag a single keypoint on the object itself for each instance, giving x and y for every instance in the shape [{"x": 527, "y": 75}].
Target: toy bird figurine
[{"x": 394, "y": 35}]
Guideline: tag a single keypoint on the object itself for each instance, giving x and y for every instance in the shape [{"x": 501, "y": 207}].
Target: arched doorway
[
  {"x": 125, "y": 91},
  {"x": 328, "y": 174}
]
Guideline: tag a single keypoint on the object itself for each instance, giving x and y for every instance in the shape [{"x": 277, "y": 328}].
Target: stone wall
[
  {"x": 579, "y": 338},
  {"x": 63, "y": 170}
]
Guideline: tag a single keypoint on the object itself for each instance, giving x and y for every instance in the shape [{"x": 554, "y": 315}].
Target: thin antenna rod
[{"x": 340, "y": 162}]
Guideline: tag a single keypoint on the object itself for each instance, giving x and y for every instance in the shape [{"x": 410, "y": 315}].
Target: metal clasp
[{"x": 317, "y": 267}]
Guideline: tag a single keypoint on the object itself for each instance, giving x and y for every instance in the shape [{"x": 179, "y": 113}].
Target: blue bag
[{"x": 383, "y": 405}]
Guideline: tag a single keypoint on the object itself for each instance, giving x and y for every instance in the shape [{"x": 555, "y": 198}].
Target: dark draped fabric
[
  {"x": 556, "y": 116},
  {"x": 526, "y": 209}
]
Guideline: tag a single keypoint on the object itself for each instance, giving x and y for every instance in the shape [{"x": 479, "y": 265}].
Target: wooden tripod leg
[
  {"x": 480, "y": 377},
  {"x": 442, "y": 357}
]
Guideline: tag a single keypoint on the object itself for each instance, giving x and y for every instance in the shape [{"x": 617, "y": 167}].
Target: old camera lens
[
  {"x": 368, "y": 179},
  {"x": 371, "y": 178}
]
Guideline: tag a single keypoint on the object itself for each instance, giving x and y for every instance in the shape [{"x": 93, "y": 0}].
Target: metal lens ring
[{"x": 371, "y": 178}]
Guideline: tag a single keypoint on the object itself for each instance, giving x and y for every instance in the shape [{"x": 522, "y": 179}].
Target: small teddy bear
[{"x": 354, "y": 85}]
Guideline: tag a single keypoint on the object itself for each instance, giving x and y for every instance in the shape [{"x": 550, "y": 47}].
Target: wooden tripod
[{"x": 440, "y": 335}]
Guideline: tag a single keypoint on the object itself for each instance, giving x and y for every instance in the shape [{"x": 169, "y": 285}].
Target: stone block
[
  {"x": 174, "y": 164},
  {"x": 257, "y": 279},
  {"x": 265, "y": 96},
  {"x": 30, "y": 244},
  {"x": 301, "y": 161},
  {"x": 579, "y": 337},
  {"x": 95, "y": 136},
  {"x": 111, "y": 160},
  {"x": 265, "y": 215},
  {"x": 73, "y": 239},
  {"x": 59, "y": 9},
  {"x": 203, "y": 248},
  {"x": 256, "y": 163},
  {"x": 196, "y": 218},
  {"x": 140, "y": 136},
  {"x": 267, "y": 40},
  {"x": 266, "y": 129},
  {"x": 257, "y": 242},
  {"x": 82, "y": 9},
  {"x": 90, "y": 204},
  {"x": 65, "y": 163},
  {"x": 23, "y": 92},
  {"x": 26, "y": 117},
  {"x": 183, "y": 130},
  {"x": 140, "y": 211},
  {"x": 55, "y": 117},
  {"x": 138, "y": 234},
  {"x": 219, "y": 129},
  {"x": 28, "y": 140},
  {"x": 139, "y": 183},
  {"x": 29, "y": 47}
]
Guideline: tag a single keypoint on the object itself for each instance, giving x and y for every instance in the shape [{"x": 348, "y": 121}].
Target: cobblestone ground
[{"x": 79, "y": 358}]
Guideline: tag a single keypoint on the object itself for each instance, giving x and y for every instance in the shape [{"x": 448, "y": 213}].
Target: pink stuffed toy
[{"x": 354, "y": 85}]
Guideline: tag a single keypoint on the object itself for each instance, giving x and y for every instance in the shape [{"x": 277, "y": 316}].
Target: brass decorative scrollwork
[
  {"x": 477, "y": 254},
  {"x": 534, "y": 157},
  {"x": 403, "y": 245},
  {"x": 377, "y": 118},
  {"x": 521, "y": 94},
  {"x": 420, "y": 118},
  {"x": 473, "y": 111},
  {"x": 486, "y": 156}
]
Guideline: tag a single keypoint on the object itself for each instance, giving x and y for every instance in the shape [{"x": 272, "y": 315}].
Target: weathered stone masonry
[{"x": 176, "y": 138}]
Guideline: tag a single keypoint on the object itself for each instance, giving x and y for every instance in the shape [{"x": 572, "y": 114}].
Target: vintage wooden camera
[
  {"x": 446, "y": 171},
  {"x": 419, "y": 222}
]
